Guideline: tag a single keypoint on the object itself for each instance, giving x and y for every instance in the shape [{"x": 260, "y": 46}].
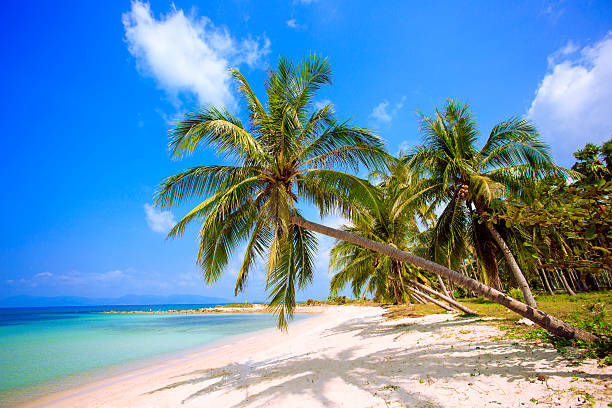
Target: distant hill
[{"x": 41, "y": 301}]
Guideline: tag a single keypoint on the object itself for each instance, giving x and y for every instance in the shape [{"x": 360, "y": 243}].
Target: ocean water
[{"x": 46, "y": 349}]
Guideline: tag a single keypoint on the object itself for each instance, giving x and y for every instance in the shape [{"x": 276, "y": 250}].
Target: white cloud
[
  {"x": 380, "y": 112},
  {"x": 158, "y": 220},
  {"x": 43, "y": 275},
  {"x": 110, "y": 275},
  {"x": 293, "y": 23},
  {"x": 189, "y": 54},
  {"x": 572, "y": 103},
  {"x": 321, "y": 104},
  {"x": 384, "y": 113},
  {"x": 404, "y": 146}
]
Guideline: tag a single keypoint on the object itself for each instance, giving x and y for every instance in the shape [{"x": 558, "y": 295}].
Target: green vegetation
[
  {"x": 464, "y": 179},
  {"x": 394, "y": 246},
  {"x": 236, "y": 305},
  {"x": 390, "y": 218},
  {"x": 287, "y": 147}
]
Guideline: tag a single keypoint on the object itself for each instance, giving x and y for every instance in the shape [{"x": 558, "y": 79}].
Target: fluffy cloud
[
  {"x": 188, "y": 54},
  {"x": 158, "y": 220},
  {"x": 384, "y": 112},
  {"x": 293, "y": 23},
  {"x": 404, "y": 147},
  {"x": 572, "y": 103},
  {"x": 321, "y": 104},
  {"x": 380, "y": 112}
]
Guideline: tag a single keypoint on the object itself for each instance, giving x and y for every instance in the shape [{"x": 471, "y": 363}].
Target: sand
[{"x": 351, "y": 357}]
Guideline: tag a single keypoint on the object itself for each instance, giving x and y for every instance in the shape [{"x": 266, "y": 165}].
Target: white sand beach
[{"x": 351, "y": 357}]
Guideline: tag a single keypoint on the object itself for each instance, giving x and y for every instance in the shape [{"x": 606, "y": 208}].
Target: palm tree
[
  {"x": 589, "y": 163},
  {"x": 287, "y": 149},
  {"x": 466, "y": 179},
  {"x": 388, "y": 219}
]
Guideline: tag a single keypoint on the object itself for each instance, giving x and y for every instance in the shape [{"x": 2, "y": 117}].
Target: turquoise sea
[{"x": 46, "y": 349}]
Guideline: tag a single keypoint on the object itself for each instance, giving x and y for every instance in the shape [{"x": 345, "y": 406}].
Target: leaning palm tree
[
  {"x": 288, "y": 147},
  {"x": 465, "y": 179},
  {"x": 287, "y": 152},
  {"x": 385, "y": 218},
  {"x": 388, "y": 217}
]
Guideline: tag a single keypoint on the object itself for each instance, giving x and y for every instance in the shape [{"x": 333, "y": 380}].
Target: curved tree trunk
[
  {"x": 554, "y": 325},
  {"x": 447, "y": 299},
  {"x": 491, "y": 268},
  {"x": 514, "y": 267},
  {"x": 570, "y": 280},
  {"x": 546, "y": 283},
  {"x": 430, "y": 299},
  {"x": 417, "y": 298},
  {"x": 443, "y": 286},
  {"x": 564, "y": 282}
]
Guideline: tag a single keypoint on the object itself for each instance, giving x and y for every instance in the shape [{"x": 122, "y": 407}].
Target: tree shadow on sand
[
  {"x": 392, "y": 374},
  {"x": 306, "y": 376}
]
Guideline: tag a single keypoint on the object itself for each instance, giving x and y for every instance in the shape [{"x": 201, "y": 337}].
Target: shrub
[
  {"x": 517, "y": 294},
  {"x": 459, "y": 293},
  {"x": 339, "y": 300}
]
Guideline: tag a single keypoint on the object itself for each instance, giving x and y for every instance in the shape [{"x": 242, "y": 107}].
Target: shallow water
[{"x": 43, "y": 348}]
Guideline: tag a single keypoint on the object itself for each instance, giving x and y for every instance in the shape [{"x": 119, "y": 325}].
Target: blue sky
[{"x": 91, "y": 87}]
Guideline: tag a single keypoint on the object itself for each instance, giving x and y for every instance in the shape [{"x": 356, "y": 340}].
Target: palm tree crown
[
  {"x": 389, "y": 217},
  {"x": 287, "y": 150},
  {"x": 465, "y": 179}
]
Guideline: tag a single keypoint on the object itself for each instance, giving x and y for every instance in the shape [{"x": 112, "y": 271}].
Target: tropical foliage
[
  {"x": 285, "y": 150},
  {"x": 290, "y": 152},
  {"x": 567, "y": 228},
  {"x": 389, "y": 217}
]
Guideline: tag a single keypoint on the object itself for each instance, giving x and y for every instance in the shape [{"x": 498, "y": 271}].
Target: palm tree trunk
[
  {"x": 606, "y": 275},
  {"x": 429, "y": 298},
  {"x": 418, "y": 298},
  {"x": 554, "y": 280},
  {"x": 473, "y": 268},
  {"x": 491, "y": 268},
  {"x": 546, "y": 283},
  {"x": 541, "y": 281},
  {"x": 447, "y": 299},
  {"x": 550, "y": 323},
  {"x": 443, "y": 286},
  {"x": 564, "y": 282},
  {"x": 579, "y": 284},
  {"x": 574, "y": 284},
  {"x": 514, "y": 267}
]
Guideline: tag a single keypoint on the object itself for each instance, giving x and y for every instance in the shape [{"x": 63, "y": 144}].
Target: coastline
[
  {"x": 252, "y": 308},
  {"x": 29, "y": 395},
  {"x": 351, "y": 356}
]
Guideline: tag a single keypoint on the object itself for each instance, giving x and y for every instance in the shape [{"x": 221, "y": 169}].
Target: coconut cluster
[{"x": 463, "y": 191}]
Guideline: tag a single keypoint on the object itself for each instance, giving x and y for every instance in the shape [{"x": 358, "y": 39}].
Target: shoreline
[
  {"x": 254, "y": 308},
  {"x": 127, "y": 371},
  {"x": 352, "y": 356},
  {"x": 78, "y": 383}
]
